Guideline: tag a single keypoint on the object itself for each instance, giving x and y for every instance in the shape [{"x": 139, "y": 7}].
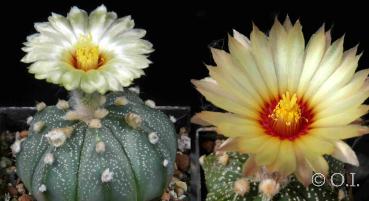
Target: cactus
[
  {"x": 225, "y": 182},
  {"x": 124, "y": 151}
]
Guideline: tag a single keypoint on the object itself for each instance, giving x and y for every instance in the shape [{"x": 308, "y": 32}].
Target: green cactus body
[
  {"x": 220, "y": 183},
  {"x": 135, "y": 167}
]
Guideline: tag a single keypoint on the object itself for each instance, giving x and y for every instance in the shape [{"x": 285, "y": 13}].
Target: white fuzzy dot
[
  {"x": 16, "y": 147},
  {"x": 72, "y": 116},
  {"x": 135, "y": 89},
  {"x": 100, "y": 147},
  {"x": 165, "y": 163},
  {"x": 94, "y": 123},
  {"x": 38, "y": 126},
  {"x": 153, "y": 138},
  {"x": 49, "y": 159},
  {"x": 29, "y": 120},
  {"x": 269, "y": 188},
  {"x": 101, "y": 113},
  {"x": 106, "y": 176},
  {"x": 62, "y": 105},
  {"x": 40, "y": 106},
  {"x": 172, "y": 119},
  {"x": 56, "y": 137},
  {"x": 121, "y": 101},
  {"x": 42, "y": 188},
  {"x": 150, "y": 103},
  {"x": 133, "y": 120},
  {"x": 241, "y": 186}
]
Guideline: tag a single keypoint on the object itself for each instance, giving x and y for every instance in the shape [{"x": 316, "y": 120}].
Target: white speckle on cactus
[
  {"x": 172, "y": 119},
  {"x": 153, "y": 138},
  {"x": 16, "y": 147},
  {"x": 62, "y": 105},
  {"x": 100, "y": 147},
  {"x": 40, "y": 106},
  {"x": 241, "y": 186},
  {"x": 135, "y": 89},
  {"x": 49, "y": 159},
  {"x": 72, "y": 115},
  {"x": 269, "y": 188},
  {"x": 101, "y": 113},
  {"x": 201, "y": 160},
  {"x": 223, "y": 159},
  {"x": 133, "y": 120},
  {"x": 94, "y": 123},
  {"x": 42, "y": 188},
  {"x": 165, "y": 163},
  {"x": 38, "y": 126},
  {"x": 29, "y": 120},
  {"x": 150, "y": 103},
  {"x": 121, "y": 101},
  {"x": 102, "y": 100},
  {"x": 107, "y": 176},
  {"x": 56, "y": 137}
]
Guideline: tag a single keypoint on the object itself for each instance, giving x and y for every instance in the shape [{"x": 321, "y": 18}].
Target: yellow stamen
[
  {"x": 287, "y": 109},
  {"x": 87, "y": 54}
]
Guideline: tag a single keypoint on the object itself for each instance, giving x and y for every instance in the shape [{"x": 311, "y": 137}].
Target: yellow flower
[
  {"x": 91, "y": 52},
  {"x": 287, "y": 104}
]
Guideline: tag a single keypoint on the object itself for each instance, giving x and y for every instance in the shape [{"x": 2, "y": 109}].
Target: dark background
[{"x": 181, "y": 34}]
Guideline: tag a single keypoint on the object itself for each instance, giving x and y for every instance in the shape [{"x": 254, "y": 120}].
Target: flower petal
[{"x": 344, "y": 153}]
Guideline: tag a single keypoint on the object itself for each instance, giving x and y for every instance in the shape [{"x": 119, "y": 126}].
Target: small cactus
[
  {"x": 225, "y": 182},
  {"x": 73, "y": 159}
]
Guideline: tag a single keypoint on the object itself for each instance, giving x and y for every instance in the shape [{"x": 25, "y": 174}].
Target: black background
[{"x": 181, "y": 33}]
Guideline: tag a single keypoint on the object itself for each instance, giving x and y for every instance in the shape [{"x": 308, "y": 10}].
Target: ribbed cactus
[
  {"x": 225, "y": 182},
  {"x": 98, "y": 148}
]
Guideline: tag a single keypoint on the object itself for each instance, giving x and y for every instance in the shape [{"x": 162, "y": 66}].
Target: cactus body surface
[{"x": 109, "y": 158}]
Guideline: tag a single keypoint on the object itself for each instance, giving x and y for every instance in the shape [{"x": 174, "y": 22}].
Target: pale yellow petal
[
  {"x": 244, "y": 58},
  {"x": 216, "y": 118},
  {"x": 313, "y": 55},
  {"x": 226, "y": 81},
  {"x": 278, "y": 42},
  {"x": 264, "y": 60},
  {"x": 340, "y": 132},
  {"x": 250, "y": 167},
  {"x": 339, "y": 78},
  {"x": 344, "y": 153},
  {"x": 341, "y": 119},
  {"x": 268, "y": 152},
  {"x": 313, "y": 158},
  {"x": 222, "y": 99},
  {"x": 345, "y": 103},
  {"x": 244, "y": 144},
  {"x": 232, "y": 130},
  {"x": 348, "y": 90},
  {"x": 241, "y": 38},
  {"x": 331, "y": 60},
  {"x": 295, "y": 57},
  {"x": 303, "y": 170},
  {"x": 285, "y": 162},
  {"x": 315, "y": 144}
]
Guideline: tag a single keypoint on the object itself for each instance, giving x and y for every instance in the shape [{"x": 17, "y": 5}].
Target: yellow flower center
[
  {"x": 87, "y": 55},
  {"x": 287, "y": 110}
]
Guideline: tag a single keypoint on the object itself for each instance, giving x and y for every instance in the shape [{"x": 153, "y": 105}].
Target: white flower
[
  {"x": 93, "y": 52},
  {"x": 56, "y": 137},
  {"x": 107, "y": 176}
]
